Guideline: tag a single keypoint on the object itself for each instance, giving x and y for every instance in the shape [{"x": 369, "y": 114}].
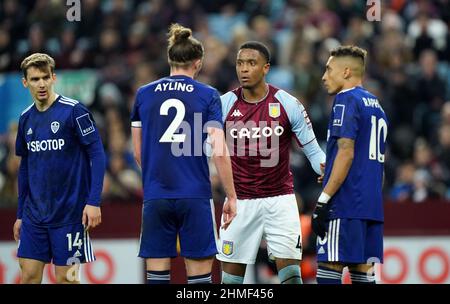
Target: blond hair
[{"x": 38, "y": 60}]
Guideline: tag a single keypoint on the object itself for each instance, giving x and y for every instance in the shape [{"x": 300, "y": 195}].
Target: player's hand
[
  {"x": 319, "y": 218},
  {"x": 228, "y": 212},
  {"x": 92, "y": 217},
  {"x": 16, "y": 229},
  {"x": 322, "y": 168}
]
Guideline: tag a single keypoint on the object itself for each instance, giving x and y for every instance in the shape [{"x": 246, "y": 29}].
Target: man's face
[
  {"x": 333, "y": 78},
  {"x": 40, "y": 83},
  {"x": 251, "y": 68}
]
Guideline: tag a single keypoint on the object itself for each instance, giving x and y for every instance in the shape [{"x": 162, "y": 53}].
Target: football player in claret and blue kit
[{"x": 261, "y": 123}]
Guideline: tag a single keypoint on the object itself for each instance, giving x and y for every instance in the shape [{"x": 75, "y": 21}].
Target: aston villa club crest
[
  {"x": 227, "y": 247},
  {"x": 55, "y": 127},
  {"x": 274, "y": 110}
]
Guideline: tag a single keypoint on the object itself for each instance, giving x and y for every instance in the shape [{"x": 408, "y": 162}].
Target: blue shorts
[
  {"x": 351, "y": 241},
  {"x": 193, "y": 220},
  {"x": 65, "y": 245}
]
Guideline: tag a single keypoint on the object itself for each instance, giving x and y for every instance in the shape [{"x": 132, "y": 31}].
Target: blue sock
[
  {"x": 290, "y": 275},
  {"x": 328, "y": 276},
  {"x": 362, "y": 277},
  {"x": 200, "y": 279},
  {"x": 231, "y": 278},
  {"x": 158, "y": 277}
]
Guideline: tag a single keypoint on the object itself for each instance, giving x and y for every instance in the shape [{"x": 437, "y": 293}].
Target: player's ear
[
  {"x": 266, "y": 68},
  {"x": 54, "y": 76},
  {"x": 198, "y": 65},
  {"x": 24, "y": 82},
  {"x": 347, "y": 72}
]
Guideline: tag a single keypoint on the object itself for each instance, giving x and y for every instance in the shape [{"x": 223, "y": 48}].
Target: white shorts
[{"x": 276, "y": 219}]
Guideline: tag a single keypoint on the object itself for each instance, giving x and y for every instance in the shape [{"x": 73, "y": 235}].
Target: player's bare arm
[
  {"x": 16, "y": 229},
  {"x": 23, "y": 191},
  {"x": 341, "y": 165},
  {"x": 137, "y": 143},
  {"x": 221, "y": 158}
]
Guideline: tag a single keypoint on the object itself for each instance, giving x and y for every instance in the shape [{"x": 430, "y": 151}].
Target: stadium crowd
[{"x": 124, "y": 42}]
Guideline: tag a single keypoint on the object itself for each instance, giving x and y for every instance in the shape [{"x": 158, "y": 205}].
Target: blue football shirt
[
  {"x": 358, "y": 115},
  {"x": 52, "y": 142},
  {"x": 172, "y": 113}
]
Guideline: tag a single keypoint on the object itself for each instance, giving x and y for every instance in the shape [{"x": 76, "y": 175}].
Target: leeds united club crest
[{"x": 55, "y": 127}]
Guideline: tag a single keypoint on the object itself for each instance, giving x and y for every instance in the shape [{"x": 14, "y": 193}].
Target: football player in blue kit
[
  {"x": 173, "y": 113},
  {"x": 60, "y": 178},
  {"x": 348, "y": 218}
]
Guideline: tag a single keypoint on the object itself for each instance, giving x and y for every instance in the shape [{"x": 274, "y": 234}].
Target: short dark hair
[
  {"x": 259, "y": 46},
  {"x": 350, "y": 51},
  {"x": 182, "y": 48},
  {"x": 38, "y": 60}
]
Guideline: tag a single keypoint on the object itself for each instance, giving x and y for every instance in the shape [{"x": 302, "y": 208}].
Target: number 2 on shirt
[{"x": 169, "y": 135}]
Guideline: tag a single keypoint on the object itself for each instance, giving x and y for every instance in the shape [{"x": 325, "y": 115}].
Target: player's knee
[
  {"x": 234, "y": 268},
  {"x": 31, "y": 271},
  {"x": 196, "y": 267},
  {"x": 30, "y": 276},
  {"x": 361, "y": 267}
]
